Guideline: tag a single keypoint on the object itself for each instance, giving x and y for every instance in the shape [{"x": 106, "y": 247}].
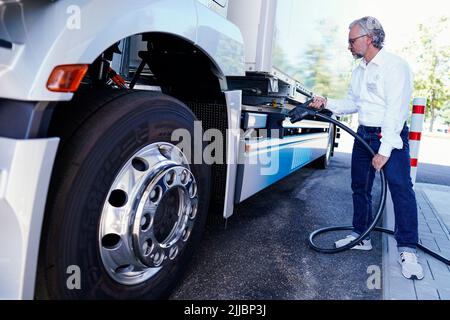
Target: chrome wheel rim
[{"x": 148, "y": 215}]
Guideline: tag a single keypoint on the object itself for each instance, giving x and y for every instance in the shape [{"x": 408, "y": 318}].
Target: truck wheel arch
[{"x": 98, "y": 29}]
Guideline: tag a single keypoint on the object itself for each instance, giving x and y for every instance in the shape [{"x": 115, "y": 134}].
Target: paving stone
[
  {"x": 444, "y": 294},
  {"x": 424, "y": 230},
  {"x": 426, "y": 236},
  {"x": 426, "y": 293},
  {"x": 442, "y": 279},
  {"x": 428, "y": 282},
  {"x": 430, "y": 244},
  {"x": 402, "y": 289},
  {"x": 442, "y": 244},
  {"x": 426, "y": 271},
  {"x": 442, "y": 238},
  {"x": 433, "y": 233},
  {"x": 437, "y": 266},
  {"x": 438, "y": 233},
  {"x": 436, "y": 227},
  {"x": 445, "y": 252}
]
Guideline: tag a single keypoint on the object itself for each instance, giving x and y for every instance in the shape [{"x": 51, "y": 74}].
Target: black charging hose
[{"x": 303, "y": 111}]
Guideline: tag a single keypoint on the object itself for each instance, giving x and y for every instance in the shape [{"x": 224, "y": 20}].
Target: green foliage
[
  {"x": 445, "y": 114},
  {"x": 431, "y": 51},
  {"x": 316, "y": 67}
]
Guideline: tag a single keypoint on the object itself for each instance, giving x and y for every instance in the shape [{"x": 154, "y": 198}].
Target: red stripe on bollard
[
  {"x": 415, "y": 136},
  {"x": 414, "y": 162},
  {"x": 419, "y": 109}
]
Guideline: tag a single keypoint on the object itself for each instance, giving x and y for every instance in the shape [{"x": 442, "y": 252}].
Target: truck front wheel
[{"x": 126, "y": 208}]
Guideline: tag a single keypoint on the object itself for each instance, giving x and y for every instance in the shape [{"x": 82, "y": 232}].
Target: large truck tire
[
  {"x": 126, "y": 208},
  {"x": 324, "y": 161}
]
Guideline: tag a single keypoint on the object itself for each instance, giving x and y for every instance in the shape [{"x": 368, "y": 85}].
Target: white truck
[{"x": 97, "y": 200}]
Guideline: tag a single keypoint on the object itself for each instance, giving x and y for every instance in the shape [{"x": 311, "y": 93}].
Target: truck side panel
[{"x": 266, "y": 162}]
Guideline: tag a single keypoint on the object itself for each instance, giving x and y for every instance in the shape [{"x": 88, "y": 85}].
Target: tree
[
  {"x": 432, "y": 53},
  {"x": 445, "y": 114},
  {"x": 318, "y": 65}
]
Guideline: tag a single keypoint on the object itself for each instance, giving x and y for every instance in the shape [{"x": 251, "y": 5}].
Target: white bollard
[{"x": 415, "y": 133}]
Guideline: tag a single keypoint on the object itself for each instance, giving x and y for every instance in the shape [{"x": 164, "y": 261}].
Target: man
[{"x": 380, "y": 91}]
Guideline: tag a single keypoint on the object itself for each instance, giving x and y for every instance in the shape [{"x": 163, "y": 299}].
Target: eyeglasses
[{"x": 352, "y": 41}]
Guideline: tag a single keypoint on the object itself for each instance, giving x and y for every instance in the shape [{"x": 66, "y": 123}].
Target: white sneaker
[
  {"x": 365, "y": 245},
  {"x": 411, "y": 268}
]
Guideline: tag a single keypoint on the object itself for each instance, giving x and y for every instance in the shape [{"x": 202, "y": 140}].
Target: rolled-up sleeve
[{"x": 398, "y": 86}]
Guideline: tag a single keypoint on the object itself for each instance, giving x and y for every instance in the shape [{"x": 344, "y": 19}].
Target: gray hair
[{"x": 372, "y": 27}]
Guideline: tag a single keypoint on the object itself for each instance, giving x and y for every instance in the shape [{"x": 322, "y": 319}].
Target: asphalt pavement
[{"x": 264, "y": 253}]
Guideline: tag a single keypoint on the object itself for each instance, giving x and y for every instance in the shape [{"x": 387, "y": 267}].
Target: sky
[{"x": 398, "y": 17}]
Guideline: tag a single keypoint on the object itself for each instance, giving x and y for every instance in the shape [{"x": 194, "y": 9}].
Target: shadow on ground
[{"x": 264, "y": 253}]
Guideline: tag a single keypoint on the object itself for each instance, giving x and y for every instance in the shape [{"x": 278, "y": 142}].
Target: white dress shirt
[{"x": 380, "y": 92}]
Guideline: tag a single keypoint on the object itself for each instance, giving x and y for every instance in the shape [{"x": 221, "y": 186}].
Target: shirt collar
[{"x": 378, "y": 59}]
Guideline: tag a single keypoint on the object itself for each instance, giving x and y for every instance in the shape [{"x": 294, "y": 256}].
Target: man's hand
[
  {"x": 379, "y": 161},
  {"x": 318, "y": 102}
]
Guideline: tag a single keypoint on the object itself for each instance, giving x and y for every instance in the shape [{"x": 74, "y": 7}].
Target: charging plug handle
[{"x": 303, "y": 111}]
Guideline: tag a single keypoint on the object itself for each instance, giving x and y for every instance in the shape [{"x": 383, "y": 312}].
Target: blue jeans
[{"x": 397, "y": 173}]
